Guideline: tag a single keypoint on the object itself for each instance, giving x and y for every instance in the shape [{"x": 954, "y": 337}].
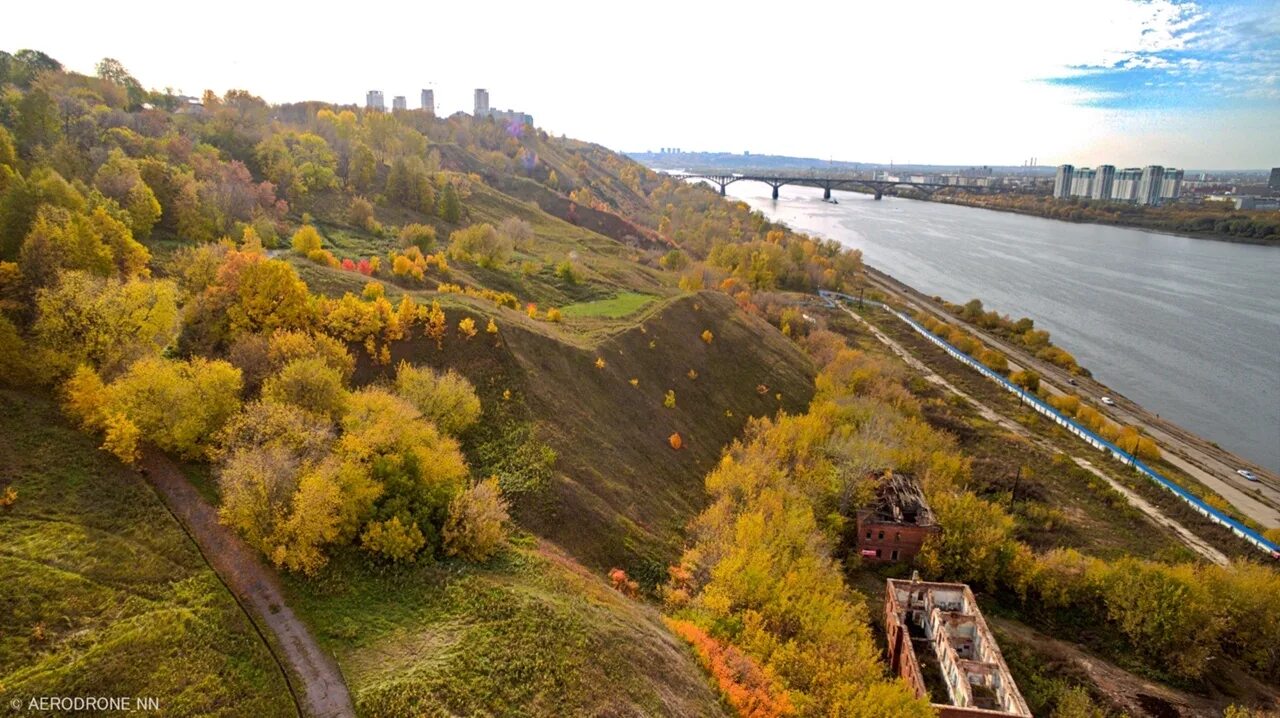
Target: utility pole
[{"x": 1013, "y": 495}]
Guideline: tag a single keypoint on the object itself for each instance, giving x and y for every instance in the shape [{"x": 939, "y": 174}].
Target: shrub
[
  {"x": 553, "y": 315},
  {"x": 476, "y": 526},
  {"x": 745, "y": 687},
  {"x": 360, "y": 214},
  {"x": 669, "y": 399},
  {"x": 622, "y": 583},
  {"x": 467, "y": 327},
  {"x": 306, "y": 240},
  {"x": 707, "y": 336},
  {"x": 448, "y": 399},
  {"x": 393, "y": 539},
  {"x": 480, "y": 243},
  {"x": 421, "y": 236}
]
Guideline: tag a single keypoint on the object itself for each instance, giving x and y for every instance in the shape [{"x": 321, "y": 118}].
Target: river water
[{"x": 1189, "y": 328}]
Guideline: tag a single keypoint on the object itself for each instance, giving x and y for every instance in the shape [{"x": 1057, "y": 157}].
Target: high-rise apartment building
[
  {"x": 1274, "y": 182},
  {"x": 1124, "y": 188},
  {"x": 1103, "y": 179},
  {"x": 1082, "y": 182},
  {"x": 1062, "y": 181},
  {"x": 482, "y": 102},
  {"x": 373, "y": 100},
  {"x": 1149, "y": 185},
  {"x": 429, "y": 101},
  {"x": 399, "y": 103},
  {"x": 1171, "y": 185}
]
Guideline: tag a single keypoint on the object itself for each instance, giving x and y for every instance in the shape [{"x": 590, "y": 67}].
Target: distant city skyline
[{"x": 1127, "y": 82}]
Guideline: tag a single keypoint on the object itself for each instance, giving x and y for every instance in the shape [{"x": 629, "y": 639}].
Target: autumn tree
[
  {"x": 145, "y": 396},
  {"x": 108, "y": 324},
  {"x": 447, "y": 399},
  {"x": 517, "y": 232},
  {"x": 96, "y": 243},
  {"x": 482, "y": 244},
  {"x": 476, "y": 527},
  {"x": 414, "y": 472},
  {"x": 280, "y": 489},
  {"x": 422, "y": 236},
  {"x": 120, "y": 180},
  {"x": 311, "y": 384}
]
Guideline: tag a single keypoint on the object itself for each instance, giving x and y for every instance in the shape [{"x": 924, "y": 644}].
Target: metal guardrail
[{"x": 1195, "y": 502}]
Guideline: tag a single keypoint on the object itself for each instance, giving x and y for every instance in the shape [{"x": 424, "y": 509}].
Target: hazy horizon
[{"x": 1122, "y": 82}]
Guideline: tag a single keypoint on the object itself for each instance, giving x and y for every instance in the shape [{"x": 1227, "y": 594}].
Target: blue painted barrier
[{"x": 1214, "y": 515}]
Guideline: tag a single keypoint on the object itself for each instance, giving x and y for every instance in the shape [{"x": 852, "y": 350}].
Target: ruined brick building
[
  {"x": 896, "y": 524},
  {"x": 940, "y": 644}
]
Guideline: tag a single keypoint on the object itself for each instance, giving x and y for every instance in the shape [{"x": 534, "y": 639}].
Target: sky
[{"x": 1124, "y": 82}]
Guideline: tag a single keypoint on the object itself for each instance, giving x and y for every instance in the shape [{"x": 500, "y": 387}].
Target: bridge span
[{"x": 876, "y": 187}]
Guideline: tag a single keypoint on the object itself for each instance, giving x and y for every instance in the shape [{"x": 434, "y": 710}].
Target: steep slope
[{"x": 617, "y": 493}]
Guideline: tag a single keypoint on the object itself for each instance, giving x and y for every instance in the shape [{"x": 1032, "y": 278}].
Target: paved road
[
  {"x": 323, "y": 694},
  {"x": 1153, "y": 513},
  {"x": 1213, "y": 466}
]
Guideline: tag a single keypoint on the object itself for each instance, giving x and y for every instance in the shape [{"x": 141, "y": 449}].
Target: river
[{"x": 1189, "y": 328}]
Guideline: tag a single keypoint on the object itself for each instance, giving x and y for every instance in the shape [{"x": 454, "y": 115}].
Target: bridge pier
[
  {"x": 722, "y": 186},
  {"x": 775, "y": 191},
  {"x": 826, "y": 192},
  {"x": 878, "y": 194}
]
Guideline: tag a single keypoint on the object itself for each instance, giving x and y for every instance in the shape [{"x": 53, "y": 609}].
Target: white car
[
  {"x": 1108, "y": 401},
  {"x": 1247, "y": 474}
]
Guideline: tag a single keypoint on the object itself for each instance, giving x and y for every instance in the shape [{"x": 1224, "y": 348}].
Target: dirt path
[
  {"x": 1211, "y": 465},
  {"x": 1153, "y": 513},
  {"x": 322, "y": 693}
]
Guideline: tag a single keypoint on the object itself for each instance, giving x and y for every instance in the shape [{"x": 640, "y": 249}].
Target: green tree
[{"x": 449, "y": 208}]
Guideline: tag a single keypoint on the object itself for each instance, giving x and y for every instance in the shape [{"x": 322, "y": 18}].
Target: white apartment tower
[
  {"x": 1171, "y": 185},
  {"x": 1149, "y": 185},
  {"x": 429, "y": 102},
  {"x": 482, "y": 102},
  {"x": 1125, "y": 186},
  {"x": 1062, "y": 181},
  {"x": 373, "y": 101},
  {"x": 399, "y": 103},
  {"x": 1103, "y": 179},
  {"x": 1082, "y": 182}
]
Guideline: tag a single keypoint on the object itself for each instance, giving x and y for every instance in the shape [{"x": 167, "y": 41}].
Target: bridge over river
[{"x": 876, "y": 187}]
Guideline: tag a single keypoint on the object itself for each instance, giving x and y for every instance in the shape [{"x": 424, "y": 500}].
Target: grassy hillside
[
  {"x": 616, "y": 492},
  {"x": 530, "y": 634},
  {"x": 102, "y": 594}
]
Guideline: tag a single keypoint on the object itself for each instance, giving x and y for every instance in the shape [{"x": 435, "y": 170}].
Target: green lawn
[
  {"x": 624, "y": 304},
  {"x": 103, "y": 594}
]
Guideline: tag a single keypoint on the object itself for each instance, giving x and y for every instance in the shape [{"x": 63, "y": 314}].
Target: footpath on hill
[{"x": 322, "y": 693}]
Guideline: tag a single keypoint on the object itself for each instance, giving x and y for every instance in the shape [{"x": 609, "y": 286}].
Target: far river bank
[{"x": 975, "y": 202}]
